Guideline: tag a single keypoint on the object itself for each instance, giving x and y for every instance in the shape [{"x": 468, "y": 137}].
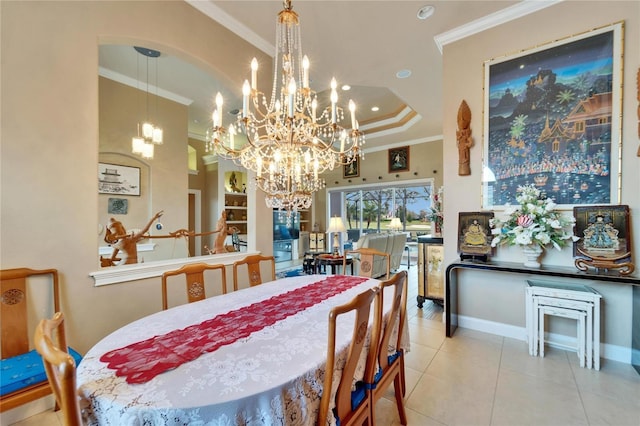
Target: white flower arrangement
[{"x": 535, "y": 221}]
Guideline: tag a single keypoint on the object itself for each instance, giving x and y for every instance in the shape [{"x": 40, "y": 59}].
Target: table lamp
[
  {"x": 395, "y": 224},
  {"x": 336, "y": 226}
]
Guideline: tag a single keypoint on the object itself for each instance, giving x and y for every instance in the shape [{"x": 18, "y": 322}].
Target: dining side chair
[
  {"x": 391, "y": 367},
  {"x": 21, "y": 290},
  {"x": 51, "y": 344},
  {"x": 253, "y": 263},
  {"x": 194, "y": 275},
  {"x": 369, "y": 258},
  {"x": 237, "y": 242},
  {"x": 352, "y": 406}
]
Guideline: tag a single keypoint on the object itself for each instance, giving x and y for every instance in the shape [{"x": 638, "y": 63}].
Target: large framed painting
[
  {"x": 116, "y": 179},
  {"x": 553, "y": 119}
]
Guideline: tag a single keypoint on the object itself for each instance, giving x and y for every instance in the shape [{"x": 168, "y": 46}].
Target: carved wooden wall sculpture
[{"x": 464, "y": 139}]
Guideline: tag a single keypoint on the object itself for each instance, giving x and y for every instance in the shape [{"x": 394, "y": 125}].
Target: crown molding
[
  {"x": 492, "y": 20},
  {"x": 136, "y": 84},
  {"x": 233, "y": 25}
]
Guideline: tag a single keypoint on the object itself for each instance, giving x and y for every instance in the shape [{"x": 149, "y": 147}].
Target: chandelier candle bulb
[
  {"x": 292, "y": 94},
  {"x": 305, "y": 72},
  {"x": 352, "y": 108},
  {"x": 219, "y": 103},
  {"x": 254, "y": 74},
  {"x": 232, "y": 133},
  {"x": 216, "y": 120},
  {"x": 314, "y": 108},
  {"x": 246, "y": 90}
]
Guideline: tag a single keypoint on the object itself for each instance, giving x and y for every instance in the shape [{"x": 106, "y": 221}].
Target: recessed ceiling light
[
  {"x": 346, "y": 87},
  {"x": 425, "y": 11},
  {"x": 375, "y": 109},
  {"x": 403, "y": 73}
]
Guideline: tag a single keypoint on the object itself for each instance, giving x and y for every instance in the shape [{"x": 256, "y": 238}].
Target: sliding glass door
[{"x": 370, "y": 209}]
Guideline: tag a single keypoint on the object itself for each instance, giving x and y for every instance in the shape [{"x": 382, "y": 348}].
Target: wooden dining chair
[
  {"x": 24, "y": 378},
  {"x": 51, "y": 344},
  {"x": 194, "y": 275},
  {"x": 237, "y": 242},
  {"x": 391, "y": 367},
  {"x": 369, "y": 259},
  {"x": 352, "y": 407},
  {"x": 253, "y": 263}
]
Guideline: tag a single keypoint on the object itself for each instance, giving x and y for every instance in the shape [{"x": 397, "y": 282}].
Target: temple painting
[{"x": 550, "y": 123}]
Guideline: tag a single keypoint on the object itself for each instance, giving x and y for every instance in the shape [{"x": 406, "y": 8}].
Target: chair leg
[
  {"x": 402, "y": 375},
  {"x": 397, "y": 387}
]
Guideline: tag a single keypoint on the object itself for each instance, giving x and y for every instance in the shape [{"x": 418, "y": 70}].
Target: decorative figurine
[
  {"x": 117, "y": 236},
  {"x": 464, "y": 139}
]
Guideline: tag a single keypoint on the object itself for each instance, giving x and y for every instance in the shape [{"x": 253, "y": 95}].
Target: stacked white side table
[{"x": 579, "y": 302}]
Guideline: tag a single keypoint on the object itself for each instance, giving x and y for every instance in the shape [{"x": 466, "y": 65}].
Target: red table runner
[{"x": 142, "y": 361}]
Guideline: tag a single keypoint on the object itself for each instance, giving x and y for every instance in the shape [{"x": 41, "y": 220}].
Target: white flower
[
  {"x": 543, "y": 224},
  {"x": 555, "y": 224},
  {"x": 544, "y": 238},
  {"x": 523, "y": 239}
]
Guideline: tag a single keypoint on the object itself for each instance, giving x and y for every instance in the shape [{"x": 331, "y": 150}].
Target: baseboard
[{"x": 607, "y": 351}]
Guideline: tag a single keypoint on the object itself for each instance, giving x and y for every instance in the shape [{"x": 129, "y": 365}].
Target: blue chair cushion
[
  {"x": 25, "y": 370},
  {"x": 357, "y": 397},
  {"x": 391, "y": 358}
]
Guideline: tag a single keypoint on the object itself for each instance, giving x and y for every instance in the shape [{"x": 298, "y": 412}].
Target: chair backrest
[
  {"x": 361, "y": 305},
  {"x": 253, "y": 267},
  {"x": 194, "y": 275},
  {"x": 237, "y": 242},
  {"x": 395, "y": 318},
  {"x": 368, "y": 257},
  {"x": 51, "y": 344},
  {"x": 13, "y": 308}
]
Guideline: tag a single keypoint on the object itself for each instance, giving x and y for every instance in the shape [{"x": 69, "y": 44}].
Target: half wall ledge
[{"x": 140, "y": 271}]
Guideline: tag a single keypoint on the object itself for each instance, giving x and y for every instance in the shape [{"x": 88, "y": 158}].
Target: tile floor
[{"x": 483, "y": 379}]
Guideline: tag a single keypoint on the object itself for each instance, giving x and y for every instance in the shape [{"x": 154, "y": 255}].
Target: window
[{"x": 371, "y": 209}]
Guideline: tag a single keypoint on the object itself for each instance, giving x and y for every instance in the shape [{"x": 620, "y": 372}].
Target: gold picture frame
[{"x": 548, "y": 113}]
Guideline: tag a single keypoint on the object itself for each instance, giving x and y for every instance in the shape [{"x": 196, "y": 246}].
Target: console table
[{"x": 451, "y": 291}]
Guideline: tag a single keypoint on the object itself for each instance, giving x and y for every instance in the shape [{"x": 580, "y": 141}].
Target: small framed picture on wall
[
  {"x": 352, "y": 169},
  {"x": 399, "y": 159}
]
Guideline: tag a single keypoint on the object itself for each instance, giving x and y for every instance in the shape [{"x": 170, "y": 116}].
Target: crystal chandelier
[
  {"x": 288, "y": 140},
  {"x": 143, "y": 143}
]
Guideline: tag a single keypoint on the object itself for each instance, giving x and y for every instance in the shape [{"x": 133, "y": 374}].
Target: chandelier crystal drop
[{"x": 289, "y": 139}]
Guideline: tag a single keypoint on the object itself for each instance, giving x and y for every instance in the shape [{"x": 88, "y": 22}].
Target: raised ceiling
[{"x": 364, "y": 44}]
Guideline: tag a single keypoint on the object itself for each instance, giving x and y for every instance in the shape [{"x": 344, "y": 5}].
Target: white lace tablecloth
[{"x": 272, "y": 377}]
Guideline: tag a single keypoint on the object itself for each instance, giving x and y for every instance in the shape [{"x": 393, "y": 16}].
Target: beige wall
[
  {"x": 500, "y": 298},
  {"x": 49, "y": 135}
]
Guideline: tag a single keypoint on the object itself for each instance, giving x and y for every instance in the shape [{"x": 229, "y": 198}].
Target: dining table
[{"x": 255, "y": 356}]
